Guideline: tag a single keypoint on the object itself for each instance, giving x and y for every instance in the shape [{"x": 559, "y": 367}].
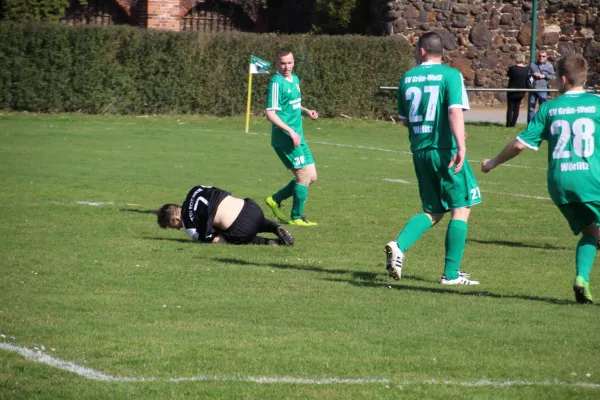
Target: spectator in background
[
  {"x": 540, "y": 73},
  {"x": 517, "y": 79}
]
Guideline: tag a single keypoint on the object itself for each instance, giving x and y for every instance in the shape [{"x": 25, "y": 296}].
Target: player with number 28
[{"x": 571, "y": 125}]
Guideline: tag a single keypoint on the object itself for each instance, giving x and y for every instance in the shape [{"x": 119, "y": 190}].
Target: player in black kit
[{"x": 212, "y": 215}]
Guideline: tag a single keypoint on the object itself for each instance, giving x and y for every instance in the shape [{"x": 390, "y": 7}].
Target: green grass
[{"x": 107, "y": 289}]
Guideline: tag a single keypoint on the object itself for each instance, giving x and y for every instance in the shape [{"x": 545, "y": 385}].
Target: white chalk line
[
  {"x": 396, "y": 180},
  {"x": 89, "y": 373},
  {"x": 85, "y": 203},
  {"x": 526, "y": 196},
  {"x": 517, "y": 382},
  {"x": 365, "y": 148},
  {"x": 95, "y": 203}
]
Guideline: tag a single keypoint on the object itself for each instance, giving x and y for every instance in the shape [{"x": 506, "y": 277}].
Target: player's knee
[
  {"x": 435, "y": 218},
  {"x": 313, "y": 178},
  {"x": 591, "y": 230},
  {"x": 461, "y": 213}
]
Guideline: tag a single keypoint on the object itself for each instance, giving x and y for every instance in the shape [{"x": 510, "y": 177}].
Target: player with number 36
[{"x": 570, "y": 123}]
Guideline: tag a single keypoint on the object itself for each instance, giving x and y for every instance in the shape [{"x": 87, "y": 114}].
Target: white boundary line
[
  {"x": 85, "y": 203},
  {"x": 526, "y": 196},
  {"x": 517, "y": 195},
  {"x": 95, "y": 203},
  {"x": 517, "y": 382},
  {"x": 40, "y": 357},
  {"x": 363, "y": 147},
  {"x": 396, "y": 180}
]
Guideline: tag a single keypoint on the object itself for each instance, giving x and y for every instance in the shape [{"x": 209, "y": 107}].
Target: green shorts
[
  {"x": 580, "y": 215},
  {"x": 295, "y": 157},
  {"x": 439, "y": 188}
]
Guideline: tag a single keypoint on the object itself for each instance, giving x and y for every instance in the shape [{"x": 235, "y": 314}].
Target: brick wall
[{"x": 163, "y": 15}]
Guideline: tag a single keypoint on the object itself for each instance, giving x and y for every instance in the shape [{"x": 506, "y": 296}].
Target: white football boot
[
  {"x": 461, "y": 280},
  {"x": 394, "y": 260}
]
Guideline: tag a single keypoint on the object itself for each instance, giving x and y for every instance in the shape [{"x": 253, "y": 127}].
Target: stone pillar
[{"x": 163, "y": 15}]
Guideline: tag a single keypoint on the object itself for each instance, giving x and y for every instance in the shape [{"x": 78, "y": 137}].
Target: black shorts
[{"x": 247, "y": 225}]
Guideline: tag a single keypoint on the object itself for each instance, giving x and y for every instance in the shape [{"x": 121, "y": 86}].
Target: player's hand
[
  {"x": 457, "y": 161},
  {"x": 313, "y": 114},
  {"x": 486, "y": 166},
  {"x": 295, "y": 138}
]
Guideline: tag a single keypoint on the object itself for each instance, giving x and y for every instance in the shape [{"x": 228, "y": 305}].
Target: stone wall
[{"x": 482, "y": 37}]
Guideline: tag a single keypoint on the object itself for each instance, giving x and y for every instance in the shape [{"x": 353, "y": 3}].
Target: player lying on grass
[
  {"x": 571, "y": 125},
  {"x": 212, "y": 215}
]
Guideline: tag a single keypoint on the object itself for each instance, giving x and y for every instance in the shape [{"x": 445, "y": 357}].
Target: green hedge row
[{"x": 132, "y": 71}]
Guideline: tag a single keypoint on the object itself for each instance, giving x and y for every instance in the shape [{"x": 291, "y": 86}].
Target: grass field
[{"x": 88, "y": 275}]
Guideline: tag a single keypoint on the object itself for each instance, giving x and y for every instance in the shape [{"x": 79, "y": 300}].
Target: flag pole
[{"x": 249, "y": 100}]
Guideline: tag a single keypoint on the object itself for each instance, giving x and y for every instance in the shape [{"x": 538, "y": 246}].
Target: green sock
[
  {"x": 300, "y": 195},
  {"x": 285, "y": 192},
  {"x": 456, "y": 237},
  {"x": 586, "y": 252},
  {"x": 413, "y": 230}
]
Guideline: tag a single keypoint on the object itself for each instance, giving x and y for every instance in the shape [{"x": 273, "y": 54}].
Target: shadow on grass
[
  {"x": 171, "y": 240},
  {"x": 369, "y": 276},
  {"x": 518, "y": 244},
  {"x": 475, "y": 293},
  {"x": 135, "y": 210},
  {"x": 484, "y": 124}
]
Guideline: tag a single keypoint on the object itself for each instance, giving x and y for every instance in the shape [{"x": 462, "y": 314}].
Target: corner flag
[{"x": 257, "y": 66}]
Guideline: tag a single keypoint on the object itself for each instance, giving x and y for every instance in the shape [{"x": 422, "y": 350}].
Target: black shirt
[
  {"x": 517, "y": 78},
  {"x": 198, "y": 212}
]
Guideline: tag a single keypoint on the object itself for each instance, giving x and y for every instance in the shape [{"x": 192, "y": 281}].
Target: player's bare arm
[
  {"x": 512, "y": 149},
  {"x": 275, "y": 120},
  {"x": 313, "y": 114},
  {"x": 457, "y": 125}
]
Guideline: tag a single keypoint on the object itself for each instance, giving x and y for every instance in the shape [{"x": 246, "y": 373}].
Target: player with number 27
[{"x": 431, "y": 100}]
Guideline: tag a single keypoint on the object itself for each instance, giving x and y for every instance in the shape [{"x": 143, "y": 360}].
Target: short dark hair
[
  {"x": 573, "y": 67},
  {"x": 432, "y": 43},
  {"x": 165, "y": 214},
  {"x": 284, "y": 51}
]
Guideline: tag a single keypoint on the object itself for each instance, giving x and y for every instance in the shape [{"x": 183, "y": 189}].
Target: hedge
[{"x": 125, "y": 70}]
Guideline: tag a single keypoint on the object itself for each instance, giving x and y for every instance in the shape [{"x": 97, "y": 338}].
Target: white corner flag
[{"x": 257, "y": 66}]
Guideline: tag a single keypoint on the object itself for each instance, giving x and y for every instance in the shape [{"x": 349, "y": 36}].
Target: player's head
[
  {"x": 520, "y": 58},
  {"x": 572, "y": 72},
  {"x": 285, "y": 62},
  {"x": 169, "y": 216},
  {"x": 430, "y": 45}
]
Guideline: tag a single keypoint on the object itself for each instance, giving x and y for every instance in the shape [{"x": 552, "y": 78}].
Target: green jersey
[
  {"x": 284, "y": 96},
  {"x": 571, "y": 125},
  {"x": 425, "y": 93}
]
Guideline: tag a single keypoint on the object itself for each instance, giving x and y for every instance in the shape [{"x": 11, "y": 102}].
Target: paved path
[{"x": 493, "y": 114}]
